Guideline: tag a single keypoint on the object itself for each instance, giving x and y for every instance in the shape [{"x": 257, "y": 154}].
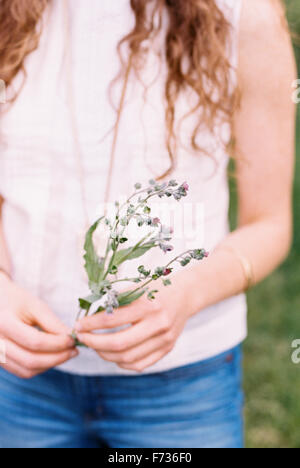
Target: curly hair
[
  {"x": 194, "y": 48},
  {"x": 19, "y": 34}
]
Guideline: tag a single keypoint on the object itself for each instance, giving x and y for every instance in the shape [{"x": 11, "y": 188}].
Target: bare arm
[
  {"x": 264, "y": 127},
  {"x": 265, "y": 142}
]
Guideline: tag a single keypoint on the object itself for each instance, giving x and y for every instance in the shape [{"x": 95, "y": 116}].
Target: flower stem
[{"x": 151, "y": 279}]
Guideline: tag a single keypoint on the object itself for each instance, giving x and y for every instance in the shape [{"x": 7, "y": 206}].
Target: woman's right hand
[{"x": 30, "y": 351}]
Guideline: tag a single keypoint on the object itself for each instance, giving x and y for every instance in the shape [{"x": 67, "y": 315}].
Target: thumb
[{"x": 46, "y": 319}]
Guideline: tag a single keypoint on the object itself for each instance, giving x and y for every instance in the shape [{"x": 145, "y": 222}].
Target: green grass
[{"x": 272, "y": 382}]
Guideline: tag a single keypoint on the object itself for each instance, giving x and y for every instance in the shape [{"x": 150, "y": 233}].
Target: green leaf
[
  {"x": 167, "y": 282},
  {"x": 94, "y": 265},
  {"x": 84, "y": 305},
  {"x": 113, "y": 270},
  {"x": 132, "y": 253},
  {"x": 129, "y": 297},
  {"x": 151, "y": 295},
  {"x": 87, "y": 302},
  {"x": 94, "y": 287},
  {"x": 100, "y": 309}
]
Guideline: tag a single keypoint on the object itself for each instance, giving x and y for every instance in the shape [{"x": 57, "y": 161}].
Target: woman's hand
[
  {"x": 154, "y": 329},
  {"x": 29, "y": 351}
]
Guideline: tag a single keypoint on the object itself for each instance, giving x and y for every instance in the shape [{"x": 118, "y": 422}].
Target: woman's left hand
[{"x": 154, "y": 329}]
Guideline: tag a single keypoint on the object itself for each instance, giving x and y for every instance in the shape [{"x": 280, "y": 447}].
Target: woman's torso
[{"x": 43, "y": 215}]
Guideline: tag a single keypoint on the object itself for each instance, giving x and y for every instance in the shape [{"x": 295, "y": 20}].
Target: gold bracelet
[{"x": 246, "y": 265}]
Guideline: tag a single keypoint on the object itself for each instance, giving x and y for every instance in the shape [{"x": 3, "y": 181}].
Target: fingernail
[{"x": 78, "y": 327}]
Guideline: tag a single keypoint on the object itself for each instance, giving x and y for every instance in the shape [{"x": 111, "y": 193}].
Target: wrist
[{"x": 192, "y": 296}]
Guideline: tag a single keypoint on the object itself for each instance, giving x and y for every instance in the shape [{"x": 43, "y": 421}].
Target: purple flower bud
[
  {"x": 109, "y": 310},
  {"x": 155, "y": 221},
  {"x": 186, "y": 186},
  {"x": 167, "y": 271},
  {"x": 206, "y": 254},
  {"x": 167, "y": 231},
  {"x": 166, "y": 248}
]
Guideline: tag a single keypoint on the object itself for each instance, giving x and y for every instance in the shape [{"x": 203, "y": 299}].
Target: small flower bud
[
  {"x": 167, "y": 271},
  {"x": 155, "y": 221}
]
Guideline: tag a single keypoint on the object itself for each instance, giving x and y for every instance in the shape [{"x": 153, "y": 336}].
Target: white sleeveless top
[{"x": 39, "y": 180}]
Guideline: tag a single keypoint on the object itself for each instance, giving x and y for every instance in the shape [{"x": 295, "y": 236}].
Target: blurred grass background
[{"x": 272, "y": 381}]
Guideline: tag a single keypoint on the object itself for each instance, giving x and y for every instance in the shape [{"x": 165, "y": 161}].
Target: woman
[{"x": 195, "y": 75}]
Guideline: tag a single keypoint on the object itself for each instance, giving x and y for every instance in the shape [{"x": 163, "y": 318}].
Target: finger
[
  {"x": 136, "y": 353},
  {"x": 36, "y": 361},
  {"x": 145, "y": 363},
  {"x": 15, "y": 369},
  {"x": 119, "y": 318},
  {"x": 34, "y": 340},
  {"x": 46, "y": 319},
  {"x": 122, "y": 340}
]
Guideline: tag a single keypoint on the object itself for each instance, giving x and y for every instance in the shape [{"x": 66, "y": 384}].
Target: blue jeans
[{"x": 199, "y": 405}]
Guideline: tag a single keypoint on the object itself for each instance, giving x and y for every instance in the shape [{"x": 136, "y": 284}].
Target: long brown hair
[{"x": 195, "y": 50}]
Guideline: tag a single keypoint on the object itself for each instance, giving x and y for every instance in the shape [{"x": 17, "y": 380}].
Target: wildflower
[
  {"x": 100, "y": 267},
  {"x": 166, "y": 248},
  {"x": 155, "y": 221},
  {"x": 159, "y": 271},
  {"x": 140, "y": 221},
  {"x": 109, "y": 310},
  {"x": 124, "y": 221},
  {"x": 166, "y": 233},
  {"x": 111, "y": 302},
  {"x": 199, "y": 254},
  {"x": 185, "y": 261},
  {"x": 167, "y": 271},
  {"x": 142, "y": 270}
]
